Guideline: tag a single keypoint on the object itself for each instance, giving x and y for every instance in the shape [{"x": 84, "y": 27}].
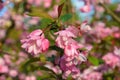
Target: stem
[
  {"x": 48, "y": 27},
  {"x": 111, "y": 13}
]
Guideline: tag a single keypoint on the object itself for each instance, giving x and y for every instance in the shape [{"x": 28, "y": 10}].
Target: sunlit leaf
[
  {"x": 93, "y": 60},
  {"x": 39, "y": 13}
]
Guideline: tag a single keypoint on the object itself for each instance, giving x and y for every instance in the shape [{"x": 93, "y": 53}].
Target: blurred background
[{"x": 19, "y": 17}]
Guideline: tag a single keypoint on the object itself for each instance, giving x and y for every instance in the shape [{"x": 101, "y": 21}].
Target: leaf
[
  {"x": 31, "y": 60},
  {"x": 39, "y": 13},
  {"x": 62, "y": 1},
  {"x": 60, "y": 7},
  {"x": 44, "y": 22},
  {"x": 65, "y": 17},
  {"x": 93, "y": 60}
]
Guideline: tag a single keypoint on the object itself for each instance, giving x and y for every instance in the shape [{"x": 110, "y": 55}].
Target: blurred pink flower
[
  {"x": 3, "y": 66},
  {"x": 101, "y": 31},
  {"x": 86, "y": 8},
  {"x": 35, "y": 2},
  {"x": 47, "y": 3},
  {"x": 111, "y": 60},
  {"x": 35, "y": 42},
  {"x": 116, "y": 35},
  {"x": 30, "y": 78},
  {"x": 117, "y": 51},
  {"x": 2, "y": 33},
  {"x": 55, "y": 69},
  {"x": 54, "y": 12},
  {"x": 2, "y": 77},
  {"x": 13, "y": 73},
  {"x": 92, "y": 76},
  {"x": 85, "y": 27}
]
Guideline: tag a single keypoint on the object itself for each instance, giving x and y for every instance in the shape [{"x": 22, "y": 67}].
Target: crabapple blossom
[
  {"x": 101, "y": 31},
  {"x": 35, "y": 42},
  {"x": 108, "y": 58},
  {"x": 65, "y": 36},
  {"x": 69, "y": 68},
  {"x": 85, "y": 27}
]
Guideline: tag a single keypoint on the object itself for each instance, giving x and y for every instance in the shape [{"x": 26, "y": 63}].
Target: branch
[{"x": 110, "y": 12}]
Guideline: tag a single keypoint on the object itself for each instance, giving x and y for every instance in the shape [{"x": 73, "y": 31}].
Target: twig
[{"x": 110, "y": 12}]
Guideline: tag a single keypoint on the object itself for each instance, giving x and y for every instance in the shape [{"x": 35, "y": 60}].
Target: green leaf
[
  {"x": 44, "y": 22},
  {"x": 93, "y": 60},
  {"x": 31, "y": 60},
  {"x": 66, "y": 17},
  {"x": 62, "y": 1},
  {"x": 39, "y": 13}
]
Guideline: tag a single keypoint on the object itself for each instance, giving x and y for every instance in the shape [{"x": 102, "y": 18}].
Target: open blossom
[
  {"x": 101, "y": 31},
  {"x": 69, "y": 68},
  {"x": 108, "y": 58},
  {"x": 35, "y": 42},
  {"x": 85, "y": 27},
  {"x": 72, "y": 48},
  {"x": 65, "y": 36}
]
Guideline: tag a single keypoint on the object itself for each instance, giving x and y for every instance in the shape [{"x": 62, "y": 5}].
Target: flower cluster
[
  {"x": 73, "y": 54},
  {"x": 35, "y": 42}
]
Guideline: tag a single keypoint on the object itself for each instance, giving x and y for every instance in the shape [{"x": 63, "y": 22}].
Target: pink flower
[
  {"x": 86, "y": 8},
  {"x": 92, "y": 76},
  {"x": 30, "y": 78},
  {"x": 54, "y": 11},
  {"x": 3, "y": 66},
  {"x": 47, "y": 3},
  {"x": 101, "y": 31},
  {"x": 35, "y": 42},
  {"x": 112, "y": 60},
  {"x": 65, "y": 36},
  {"x": 73, "y": 29},
  {"x": 68, "y": 68},
  {"x": 72, "y": 49},
  {"x": 85, "y": 27},
  {"x": 35, "y": 2},
  {"x": 13, "y": 73},
  {"x": 55, "y": 69},
  {"x": 117, "y": 51}
]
